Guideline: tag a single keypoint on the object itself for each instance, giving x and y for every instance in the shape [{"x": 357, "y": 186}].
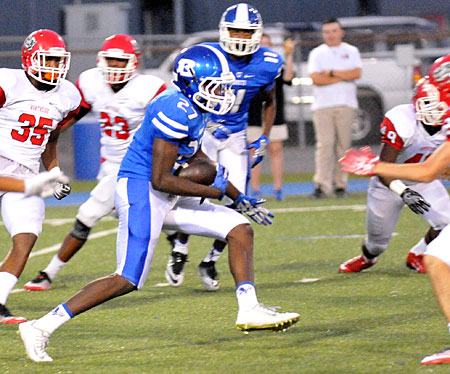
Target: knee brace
[{"x": 80, "y": 231}]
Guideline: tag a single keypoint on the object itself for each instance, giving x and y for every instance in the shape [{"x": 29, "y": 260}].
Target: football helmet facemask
[
  {"x": 240, "y": 17},
  {"x": 202, "y": 74},
  {"x": 121, "y": 47},
  {"x": 430, "y": 103},
  {"x": 39, "y": 51}
]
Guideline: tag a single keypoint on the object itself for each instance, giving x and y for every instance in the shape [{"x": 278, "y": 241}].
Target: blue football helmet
[
  {"x": 241, "y": 16},
  {"x": 202, "y": 74}
]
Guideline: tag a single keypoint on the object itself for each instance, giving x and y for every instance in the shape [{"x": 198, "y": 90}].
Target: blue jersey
[
  {"x": 172, "y": 117},
  {"x": 258, "y": 73}
]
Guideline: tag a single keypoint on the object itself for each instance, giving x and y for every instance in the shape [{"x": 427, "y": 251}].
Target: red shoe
[
  {"x": 415, "y": 262},
  {"x": 7, "y": 318},
  {"x": 41, "y": 283},
  {"x": 438, "y": 358},
  {"x": 357, "y": 264}
]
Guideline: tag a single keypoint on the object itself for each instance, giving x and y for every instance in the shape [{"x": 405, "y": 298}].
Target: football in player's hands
[{"x": 198, "y": 170}]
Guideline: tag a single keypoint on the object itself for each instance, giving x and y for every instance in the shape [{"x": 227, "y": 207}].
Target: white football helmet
[
  {"x": 240, "y": 17},
  {"x": 430, "y": 103}
]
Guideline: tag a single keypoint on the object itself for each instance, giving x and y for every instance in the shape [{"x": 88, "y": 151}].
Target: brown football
[{"x": 199, "y": 170}]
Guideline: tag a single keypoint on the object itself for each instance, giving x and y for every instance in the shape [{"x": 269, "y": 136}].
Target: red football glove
[{"x": 359, "y": 162}]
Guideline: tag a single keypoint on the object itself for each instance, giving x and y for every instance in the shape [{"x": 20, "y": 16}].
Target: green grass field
[{"x": 384, "y": 320}]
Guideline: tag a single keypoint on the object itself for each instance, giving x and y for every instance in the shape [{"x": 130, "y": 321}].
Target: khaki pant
[{"x": 333, "y": 130}]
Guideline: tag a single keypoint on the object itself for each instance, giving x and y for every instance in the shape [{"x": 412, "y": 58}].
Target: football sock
[
  {"x": 419, "y": 248},
  {"x": 54, "y": 267},
  {"x": 213, "y": 254},
  {"x": 181, "y": 247},
  {"x": 369, "y": 256},
  {"x": 55, "y": 319},
  {"x": 246, "y": 296},
  {"x": 7, "y": 283}
]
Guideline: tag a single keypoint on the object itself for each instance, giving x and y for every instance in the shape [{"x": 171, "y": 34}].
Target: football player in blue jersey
[
  {"x": 150, "y": 197},
  {"x": 255, "y": 68}
]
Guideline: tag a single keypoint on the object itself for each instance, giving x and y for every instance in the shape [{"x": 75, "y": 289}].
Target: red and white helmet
[
  {"x": 430, "y": 102},
  {"x": 37, "y": 48},
  {"x": 440, "y": 73},
  {"x": 122, "y": 47}
]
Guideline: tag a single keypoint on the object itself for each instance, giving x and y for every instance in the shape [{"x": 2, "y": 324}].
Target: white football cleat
[
  {"x": 35, "y": 342},
  {"x": 261, "y": 317},
  {"x": 41, "y": 283}
]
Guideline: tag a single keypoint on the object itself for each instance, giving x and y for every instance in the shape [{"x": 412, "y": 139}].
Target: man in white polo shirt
[{"x": 333, "y": 67}]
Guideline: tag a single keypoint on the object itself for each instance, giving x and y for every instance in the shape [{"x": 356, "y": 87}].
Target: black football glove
[
  {"x": 61, "y": 190},
  {"x": 415, "y": 201}
]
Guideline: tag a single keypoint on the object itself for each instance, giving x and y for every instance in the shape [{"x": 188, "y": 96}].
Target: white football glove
[
  {"x": 260, "y": 146},
  {"x": 253, "y": 209},
  {"x": 44, "y": 183}
]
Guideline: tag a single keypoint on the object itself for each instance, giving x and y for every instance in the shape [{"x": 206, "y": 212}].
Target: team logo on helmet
[
  {"x": 442, "y": 72},
  {"x": 30, "y": 42},
  {"x": 185, "y": 67}
]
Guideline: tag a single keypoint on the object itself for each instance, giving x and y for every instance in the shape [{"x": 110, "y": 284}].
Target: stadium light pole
[{"x": 178, "y": 11}]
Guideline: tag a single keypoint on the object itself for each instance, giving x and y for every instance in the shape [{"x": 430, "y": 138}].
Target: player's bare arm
[
  {"x": 164, "y": 157},
  {"x": 50, "y": 154},
  {"x": 388, "y": 154},
  {"x": 426, "y": 171},
  {"x": 83, "y": 111},
  {"x": 269, "y": 110}
]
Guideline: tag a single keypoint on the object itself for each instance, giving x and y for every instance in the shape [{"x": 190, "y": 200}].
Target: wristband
[
  {"x": 55, "y": 171},
  {"x": 397, "y": 186}
]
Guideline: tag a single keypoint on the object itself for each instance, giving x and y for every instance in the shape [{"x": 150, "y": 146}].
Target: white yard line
[
  {"x": 351, "y": 236},
  {"x": 101, "y": 234},
  {"x": 357, "y": 208},
  {"x": 55, "y": 247}
]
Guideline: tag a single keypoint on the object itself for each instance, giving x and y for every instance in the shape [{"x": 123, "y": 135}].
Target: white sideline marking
[
  {"x": 357, "y": 208},
  {"x": 307, "y": 280},
  {"x": 63, "y": 221},
  {"x": 55, "y": 247},
  {"x": 162, "y": 285},
  {"x": 351, "y": 236}
]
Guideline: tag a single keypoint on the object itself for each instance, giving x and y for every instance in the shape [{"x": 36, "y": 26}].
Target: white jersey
[
  {"x": 120, "y": 113},
  {"x": 401, "y": 130},
  {"x": 29, "y": 115}
]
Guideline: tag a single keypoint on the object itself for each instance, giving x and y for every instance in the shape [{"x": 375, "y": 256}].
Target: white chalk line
[{"x": 101, "y": 234}]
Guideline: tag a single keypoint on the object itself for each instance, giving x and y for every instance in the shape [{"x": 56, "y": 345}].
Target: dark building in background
[{"x": 20, "y": 17}]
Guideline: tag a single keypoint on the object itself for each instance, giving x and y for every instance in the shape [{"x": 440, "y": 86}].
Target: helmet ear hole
[
  {"x": 40, "y": 50},
  {"x": 202, "y": 74}
]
